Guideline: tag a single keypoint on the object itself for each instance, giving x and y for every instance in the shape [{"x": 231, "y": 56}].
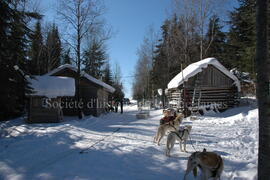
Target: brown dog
[{"x": 210, "y": 164}]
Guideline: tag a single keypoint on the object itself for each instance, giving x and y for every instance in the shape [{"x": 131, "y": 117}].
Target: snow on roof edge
[
  {"x": 84, "y": 74},
  {"x": 194, "y": 68},
  {"x": 52, "y": 86}
]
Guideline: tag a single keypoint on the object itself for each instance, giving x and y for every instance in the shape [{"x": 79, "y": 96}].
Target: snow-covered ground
[{"x": 116, "y": 146}]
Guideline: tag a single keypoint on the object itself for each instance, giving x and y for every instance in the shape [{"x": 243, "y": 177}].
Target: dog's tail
[{"x": 218, "y": 171}]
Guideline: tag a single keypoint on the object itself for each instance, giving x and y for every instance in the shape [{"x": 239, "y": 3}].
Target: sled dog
[
  {"x": 210, "y": 164},
  {"x": 181, "y": 136},
  {"x": 172, "y": 126}
]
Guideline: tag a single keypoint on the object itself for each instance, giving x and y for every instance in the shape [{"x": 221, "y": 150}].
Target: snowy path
[{"x": 118, "y": 146}]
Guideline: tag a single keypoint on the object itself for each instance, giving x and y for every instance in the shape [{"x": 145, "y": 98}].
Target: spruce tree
[
  {"x": 94, "y": 59},
  {"x": 107, "y": 74},
  {"x": 37, "y": 60},
  {"x": 160, "y": 72},
  {"x": 53, "y": 49},
  {"x": 216, "y": 42},
  {"x": 14, "y": 35},
  {"x": 66, "y": 57},
  {"x": 118, "y": 94},
  {"x": 241, "y": 42}
]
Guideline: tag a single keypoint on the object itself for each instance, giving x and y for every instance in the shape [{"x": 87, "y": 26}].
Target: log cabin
[
  {"x": 205, "y": 84},
  {"x": 45, "y": 98},
  {"x": 93, "y": 92}
]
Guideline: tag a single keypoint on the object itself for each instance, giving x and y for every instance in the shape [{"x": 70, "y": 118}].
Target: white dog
[
  {"x": 162, "y": 129},
  {"x": 181, "y": 136},
  {"x": 210, "y": 164}
]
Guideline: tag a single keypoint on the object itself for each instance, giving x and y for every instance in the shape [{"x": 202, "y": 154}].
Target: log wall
[
  {"x": 215, "y": 88},
  {"x": 90, "y": 92},
  {"x": 38, "y": 113}
]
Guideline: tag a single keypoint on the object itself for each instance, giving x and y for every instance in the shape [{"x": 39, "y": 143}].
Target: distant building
[
  {"x": 126, "y": 101},
  {"x": 48, "y": 92},
  {"x": 203, "y": 85},
  {"x": 93, "y": 92}
]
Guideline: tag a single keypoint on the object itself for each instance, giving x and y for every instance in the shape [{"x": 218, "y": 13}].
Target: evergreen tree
[
  {"x": 66, "y": 57},
  {"x": 118, "y": 94},
  {"x": 141, "y": 85},
  {"x": 177, "y": 46},
  {"x": 14, "y": 35},
  {"x": 37, "y": 60},
  {"x": 107, "y": 77},
  {"x": 216, "y": 41},
  {"x": 94, "y": 59},
  {"x": 160, "y": 72},
  {"x": 53, "y": 49},
  {"x": 242, "y": 36}
]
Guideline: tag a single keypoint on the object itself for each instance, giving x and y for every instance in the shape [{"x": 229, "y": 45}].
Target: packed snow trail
[{"x": 119, "y": 146}]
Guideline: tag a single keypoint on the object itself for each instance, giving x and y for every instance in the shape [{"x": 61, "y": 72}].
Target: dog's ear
[
  {"x": 195, "y": 171},
  {"x": 204, "y": 150}
]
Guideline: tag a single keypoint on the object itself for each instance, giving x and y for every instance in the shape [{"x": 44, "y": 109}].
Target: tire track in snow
[{"x": 62, "y": 155}]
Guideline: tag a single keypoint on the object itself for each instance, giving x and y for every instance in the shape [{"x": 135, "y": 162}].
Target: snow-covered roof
[
  {"x": 52, "y": 86},
  {"x": 197, "y": 67},
  {"x": 84, "y": 74}
]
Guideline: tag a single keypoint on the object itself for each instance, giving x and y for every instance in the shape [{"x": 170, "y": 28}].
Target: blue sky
[{"x": 130, "y": 20}]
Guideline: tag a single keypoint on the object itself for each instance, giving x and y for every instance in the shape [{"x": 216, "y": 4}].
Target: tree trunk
[
  {"x": 263, "y": 74},
  {"x": 78, "y": 60},
  {"x": 163, "y": 98}
]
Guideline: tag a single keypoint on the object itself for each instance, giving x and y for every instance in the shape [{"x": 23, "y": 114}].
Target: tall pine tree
[
  {"x": 216, "y": 41},
  {"x": 14, "y": 35},
  {"x": 53, "y": 49},
  {"x": 94, "y": 59},
  {"x": 242, "y": 36},
  {"x": 107, "y": 74},
  {"x": 66, "y": 57},
  {"x": 37, "y": 58},
  {"x": 118, "y": 94}
]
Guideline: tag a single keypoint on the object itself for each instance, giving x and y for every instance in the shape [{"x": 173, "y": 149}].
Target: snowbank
[
  {"x": 120, "y": 147},
  {"x": 84, "y": 74},
  {"x": 52, "y": 86},
  {"x": 197, "y": 67}
]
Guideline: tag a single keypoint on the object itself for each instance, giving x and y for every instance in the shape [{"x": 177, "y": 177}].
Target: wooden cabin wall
[
  {"x": 211, "y": 77},
  {"x": 89, "y": 92},
  {"x": 103, "y": 100},
  {"x": 69, "y": 111},
  {"x": 40, "y": 114},
  {"x": 225, "y": 96},
  {"x": 215, "y": 86}
]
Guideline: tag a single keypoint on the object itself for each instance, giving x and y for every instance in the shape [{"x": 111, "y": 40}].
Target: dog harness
[
  {"x": 166, "y": 119},
  {"x": 180, "y": 133}
]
